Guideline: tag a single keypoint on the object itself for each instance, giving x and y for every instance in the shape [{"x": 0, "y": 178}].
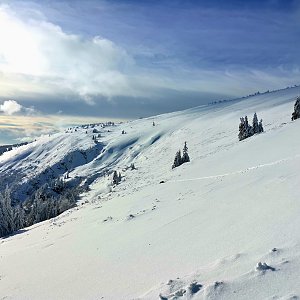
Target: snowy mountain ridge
[{"x": 199, "y": 235}]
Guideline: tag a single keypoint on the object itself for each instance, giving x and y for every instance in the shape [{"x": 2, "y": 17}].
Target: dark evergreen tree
[
  {"x": 185, "y": 156},
  {"x": 249, "y": 129},
  {"x": 115, "y": 179},
  {"x": 19, "y": 217},
  {"x": 255, "y": 125},
  {"x": 260, "y": 126},
  {"x": 177, "y": 160},
  {"x": 7, "y": 225},
  {"x": 242, "y": 130},
  {"x": 296, "y": 113}
]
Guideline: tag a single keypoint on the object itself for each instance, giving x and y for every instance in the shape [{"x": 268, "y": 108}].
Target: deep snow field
[{"x": 199, "y": 235}]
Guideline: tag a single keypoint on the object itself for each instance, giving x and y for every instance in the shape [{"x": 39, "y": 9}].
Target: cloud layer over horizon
[{"x": 127, "y": 59}]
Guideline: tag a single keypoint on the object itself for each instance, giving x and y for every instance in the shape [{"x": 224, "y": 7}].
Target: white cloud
[
  {"x": 42, "y": 55},
  {"x": 10, "y": 107},
  {"x": 38, "y": 59}
]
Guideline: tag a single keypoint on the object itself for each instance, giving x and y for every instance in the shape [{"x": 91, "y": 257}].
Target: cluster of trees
[
  {"x": 179, "y": 160},
  {"x": 117, "y": 177},
  {"x": 246, "y": 130},
  {"x": 48, "y": 201},
  {"x": 296, "y": 113},
  {"x": 93, "y": 125}
]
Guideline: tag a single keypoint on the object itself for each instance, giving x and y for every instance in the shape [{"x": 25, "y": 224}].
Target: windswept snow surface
[{"x": 224, "y": 226}]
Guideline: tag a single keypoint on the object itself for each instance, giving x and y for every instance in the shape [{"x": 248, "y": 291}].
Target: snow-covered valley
[{"x": 194, "y": 232}]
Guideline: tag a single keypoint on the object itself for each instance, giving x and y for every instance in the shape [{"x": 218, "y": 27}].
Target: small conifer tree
[
  {"x": 177, "y": 160},
  {"x": 185, "y": 155},
  {"x": 255, "y": 125},
  {"x": 249, "y": 129},
  {"x": 242, "y": 129},
  {"x": 260, "y": 126}
]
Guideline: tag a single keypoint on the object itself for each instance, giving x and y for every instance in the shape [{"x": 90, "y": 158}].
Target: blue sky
[{"x": 64, "y": 60}]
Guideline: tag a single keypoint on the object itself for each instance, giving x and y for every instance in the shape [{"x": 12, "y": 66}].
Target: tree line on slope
[
  {"x": 48, "y": 201},
  {"x": 246, "y": 130},
  {"x": 6, "y": 148}
]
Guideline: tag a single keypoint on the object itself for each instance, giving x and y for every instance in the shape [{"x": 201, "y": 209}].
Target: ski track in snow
[{"x": 237, "y": 172}]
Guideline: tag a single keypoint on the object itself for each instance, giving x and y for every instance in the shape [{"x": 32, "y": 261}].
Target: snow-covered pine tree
[
  {"x": 177, "y": 160},
  {"x": 249, "y": 129},
  {"x": 7, "y": 225},
  {"x": 19, "y": 217},
  {"x": 296, "y": 113},
  {"x": 242, "y": 129},
  {"x": 260, "y": 126},
  {"x": 185, "y": 156},
  {"x": 245, "y": 130},
  {"x": 38, "y": 205},
  {"x": 255, "y": 125}
]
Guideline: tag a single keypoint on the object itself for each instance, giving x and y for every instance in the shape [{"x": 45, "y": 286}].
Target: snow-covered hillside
[{"x": 198, "y": 235}]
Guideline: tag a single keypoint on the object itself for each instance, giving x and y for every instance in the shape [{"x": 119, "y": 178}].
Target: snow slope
[{"x": 199, "y": 235}]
